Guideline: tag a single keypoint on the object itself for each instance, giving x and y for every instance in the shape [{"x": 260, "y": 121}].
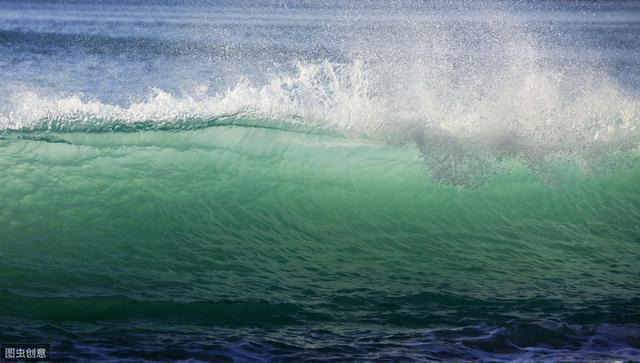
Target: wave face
[
  {"x": 242, "y": 240},
  {"x": 305, "y": 181}
]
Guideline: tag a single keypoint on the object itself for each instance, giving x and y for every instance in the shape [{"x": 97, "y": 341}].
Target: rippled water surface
[{"x": 321, "y": 181}]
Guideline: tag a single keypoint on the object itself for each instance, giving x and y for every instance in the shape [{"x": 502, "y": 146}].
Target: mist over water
[{"x": 350, "y": 181}]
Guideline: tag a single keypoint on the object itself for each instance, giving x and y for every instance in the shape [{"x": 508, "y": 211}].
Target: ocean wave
[
  {"x": 532, "y": 116},
  {"x": 393, "y": 181},
  {"x": 467, "y": 97},
  {"x": 534, "y": 109}
]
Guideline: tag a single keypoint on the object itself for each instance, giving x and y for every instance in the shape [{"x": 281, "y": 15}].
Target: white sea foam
[
  {"x": 532, "y": 107},
  {"x": 324, "y": 94}
]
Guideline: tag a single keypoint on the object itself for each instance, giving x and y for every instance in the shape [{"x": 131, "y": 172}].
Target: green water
[{"x": 250, "y": 227}]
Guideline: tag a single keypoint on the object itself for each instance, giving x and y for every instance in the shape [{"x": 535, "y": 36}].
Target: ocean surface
[{"x": 321, "y": 180}]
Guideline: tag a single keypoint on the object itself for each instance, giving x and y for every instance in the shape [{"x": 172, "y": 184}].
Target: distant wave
[{"x": 104, "y": 45}]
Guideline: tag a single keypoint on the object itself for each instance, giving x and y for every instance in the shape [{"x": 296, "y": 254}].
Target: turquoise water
[
  {"x": 277, "y": 231},
  {"x": 312, "y": 181}
]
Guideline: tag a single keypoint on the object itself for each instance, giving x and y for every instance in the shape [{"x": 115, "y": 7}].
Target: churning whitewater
[{"x": 351, "y": 182}]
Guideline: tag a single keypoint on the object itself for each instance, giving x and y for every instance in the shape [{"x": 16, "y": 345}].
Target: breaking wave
[{"x": 529, "y": 114}]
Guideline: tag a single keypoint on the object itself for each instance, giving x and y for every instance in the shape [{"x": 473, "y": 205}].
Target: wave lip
[{"x": 531, "y": 110}]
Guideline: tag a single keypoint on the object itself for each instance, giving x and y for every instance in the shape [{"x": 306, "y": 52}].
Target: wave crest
[
  {"x": 464, "y": 108},
  {"x": 531, "y": 108}
]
